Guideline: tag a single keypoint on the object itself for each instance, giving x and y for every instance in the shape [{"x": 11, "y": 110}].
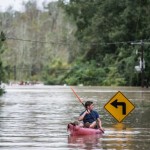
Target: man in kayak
[{"x": 90, "y": 117}]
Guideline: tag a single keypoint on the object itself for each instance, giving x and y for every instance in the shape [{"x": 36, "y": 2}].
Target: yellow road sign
[{"x": 119, "y": 106}]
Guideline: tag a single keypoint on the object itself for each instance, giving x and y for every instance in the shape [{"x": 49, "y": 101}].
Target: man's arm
[
  {"x": 100, "y": 125},
  {"x": 81, "y": 117}
]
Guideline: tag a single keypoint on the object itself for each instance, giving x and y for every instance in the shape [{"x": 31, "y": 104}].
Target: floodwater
[{"x": 36, "y": 118}]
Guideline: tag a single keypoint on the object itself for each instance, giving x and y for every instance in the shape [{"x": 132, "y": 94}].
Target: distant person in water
[{"x": 90, "y": 117}]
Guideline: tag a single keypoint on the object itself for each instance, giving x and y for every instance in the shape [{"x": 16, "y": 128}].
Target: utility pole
[
  {"x": 15, "y": 74},
  {"x": 142, "y": 66}
]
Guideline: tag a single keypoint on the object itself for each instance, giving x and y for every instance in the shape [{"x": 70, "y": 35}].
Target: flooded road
[{"x": 36, "y": 118}]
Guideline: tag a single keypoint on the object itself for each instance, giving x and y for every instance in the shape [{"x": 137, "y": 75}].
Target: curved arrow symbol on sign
[{"x": 115, "y": 103}]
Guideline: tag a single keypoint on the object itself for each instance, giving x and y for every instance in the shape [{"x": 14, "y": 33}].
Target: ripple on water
[{"x": 36, "y": 118}]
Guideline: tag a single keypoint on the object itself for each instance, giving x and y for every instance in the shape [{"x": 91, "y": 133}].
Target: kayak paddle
[{"x": 78, "y": 97}]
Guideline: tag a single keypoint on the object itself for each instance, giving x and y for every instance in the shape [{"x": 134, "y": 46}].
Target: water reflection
[
  {"x": 87, "y": 142},
  {"x": 119, "y": 126}
]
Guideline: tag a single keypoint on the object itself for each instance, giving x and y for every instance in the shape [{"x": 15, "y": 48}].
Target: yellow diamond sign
[{"x": 119, "y": 106}]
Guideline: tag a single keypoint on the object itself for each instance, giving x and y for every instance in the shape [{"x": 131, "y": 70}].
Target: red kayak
[{"x": 77, "y": 130}]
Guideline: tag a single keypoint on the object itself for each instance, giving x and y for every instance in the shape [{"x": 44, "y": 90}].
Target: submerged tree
[{"x": 2, "y": 75}]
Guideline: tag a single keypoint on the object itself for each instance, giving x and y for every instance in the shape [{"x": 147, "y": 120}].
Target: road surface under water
[{"x": 36, "y": 118}]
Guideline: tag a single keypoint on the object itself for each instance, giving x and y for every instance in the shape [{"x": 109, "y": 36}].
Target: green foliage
[
  {"x": 86, "y": 74},
  {"x": 2, "y": 36},
  {"x": 114, "y": 78},
  {"x": 54, "y": 73},
  {"x": 1, "y": 91},
  {"x": 105, "y": 30},
  {"x": 100, "y": 53},
  {"x": 36, "y": 39},
  {"x": 2, "y": 74}
]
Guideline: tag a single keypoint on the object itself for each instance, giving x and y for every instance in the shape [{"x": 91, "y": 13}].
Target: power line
[
  {"x": 34, "y": 41},
  {"x": 146, "y": 41}
]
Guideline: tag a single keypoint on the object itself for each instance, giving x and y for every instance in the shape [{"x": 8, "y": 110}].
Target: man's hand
[
  {"x": 87, "y": 111},
  {"x": 101, "y": 129},
  {"x": 83, "y": 115}
]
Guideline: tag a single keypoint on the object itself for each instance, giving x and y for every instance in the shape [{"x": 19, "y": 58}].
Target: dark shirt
[{"x": 91, "y": 117}]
